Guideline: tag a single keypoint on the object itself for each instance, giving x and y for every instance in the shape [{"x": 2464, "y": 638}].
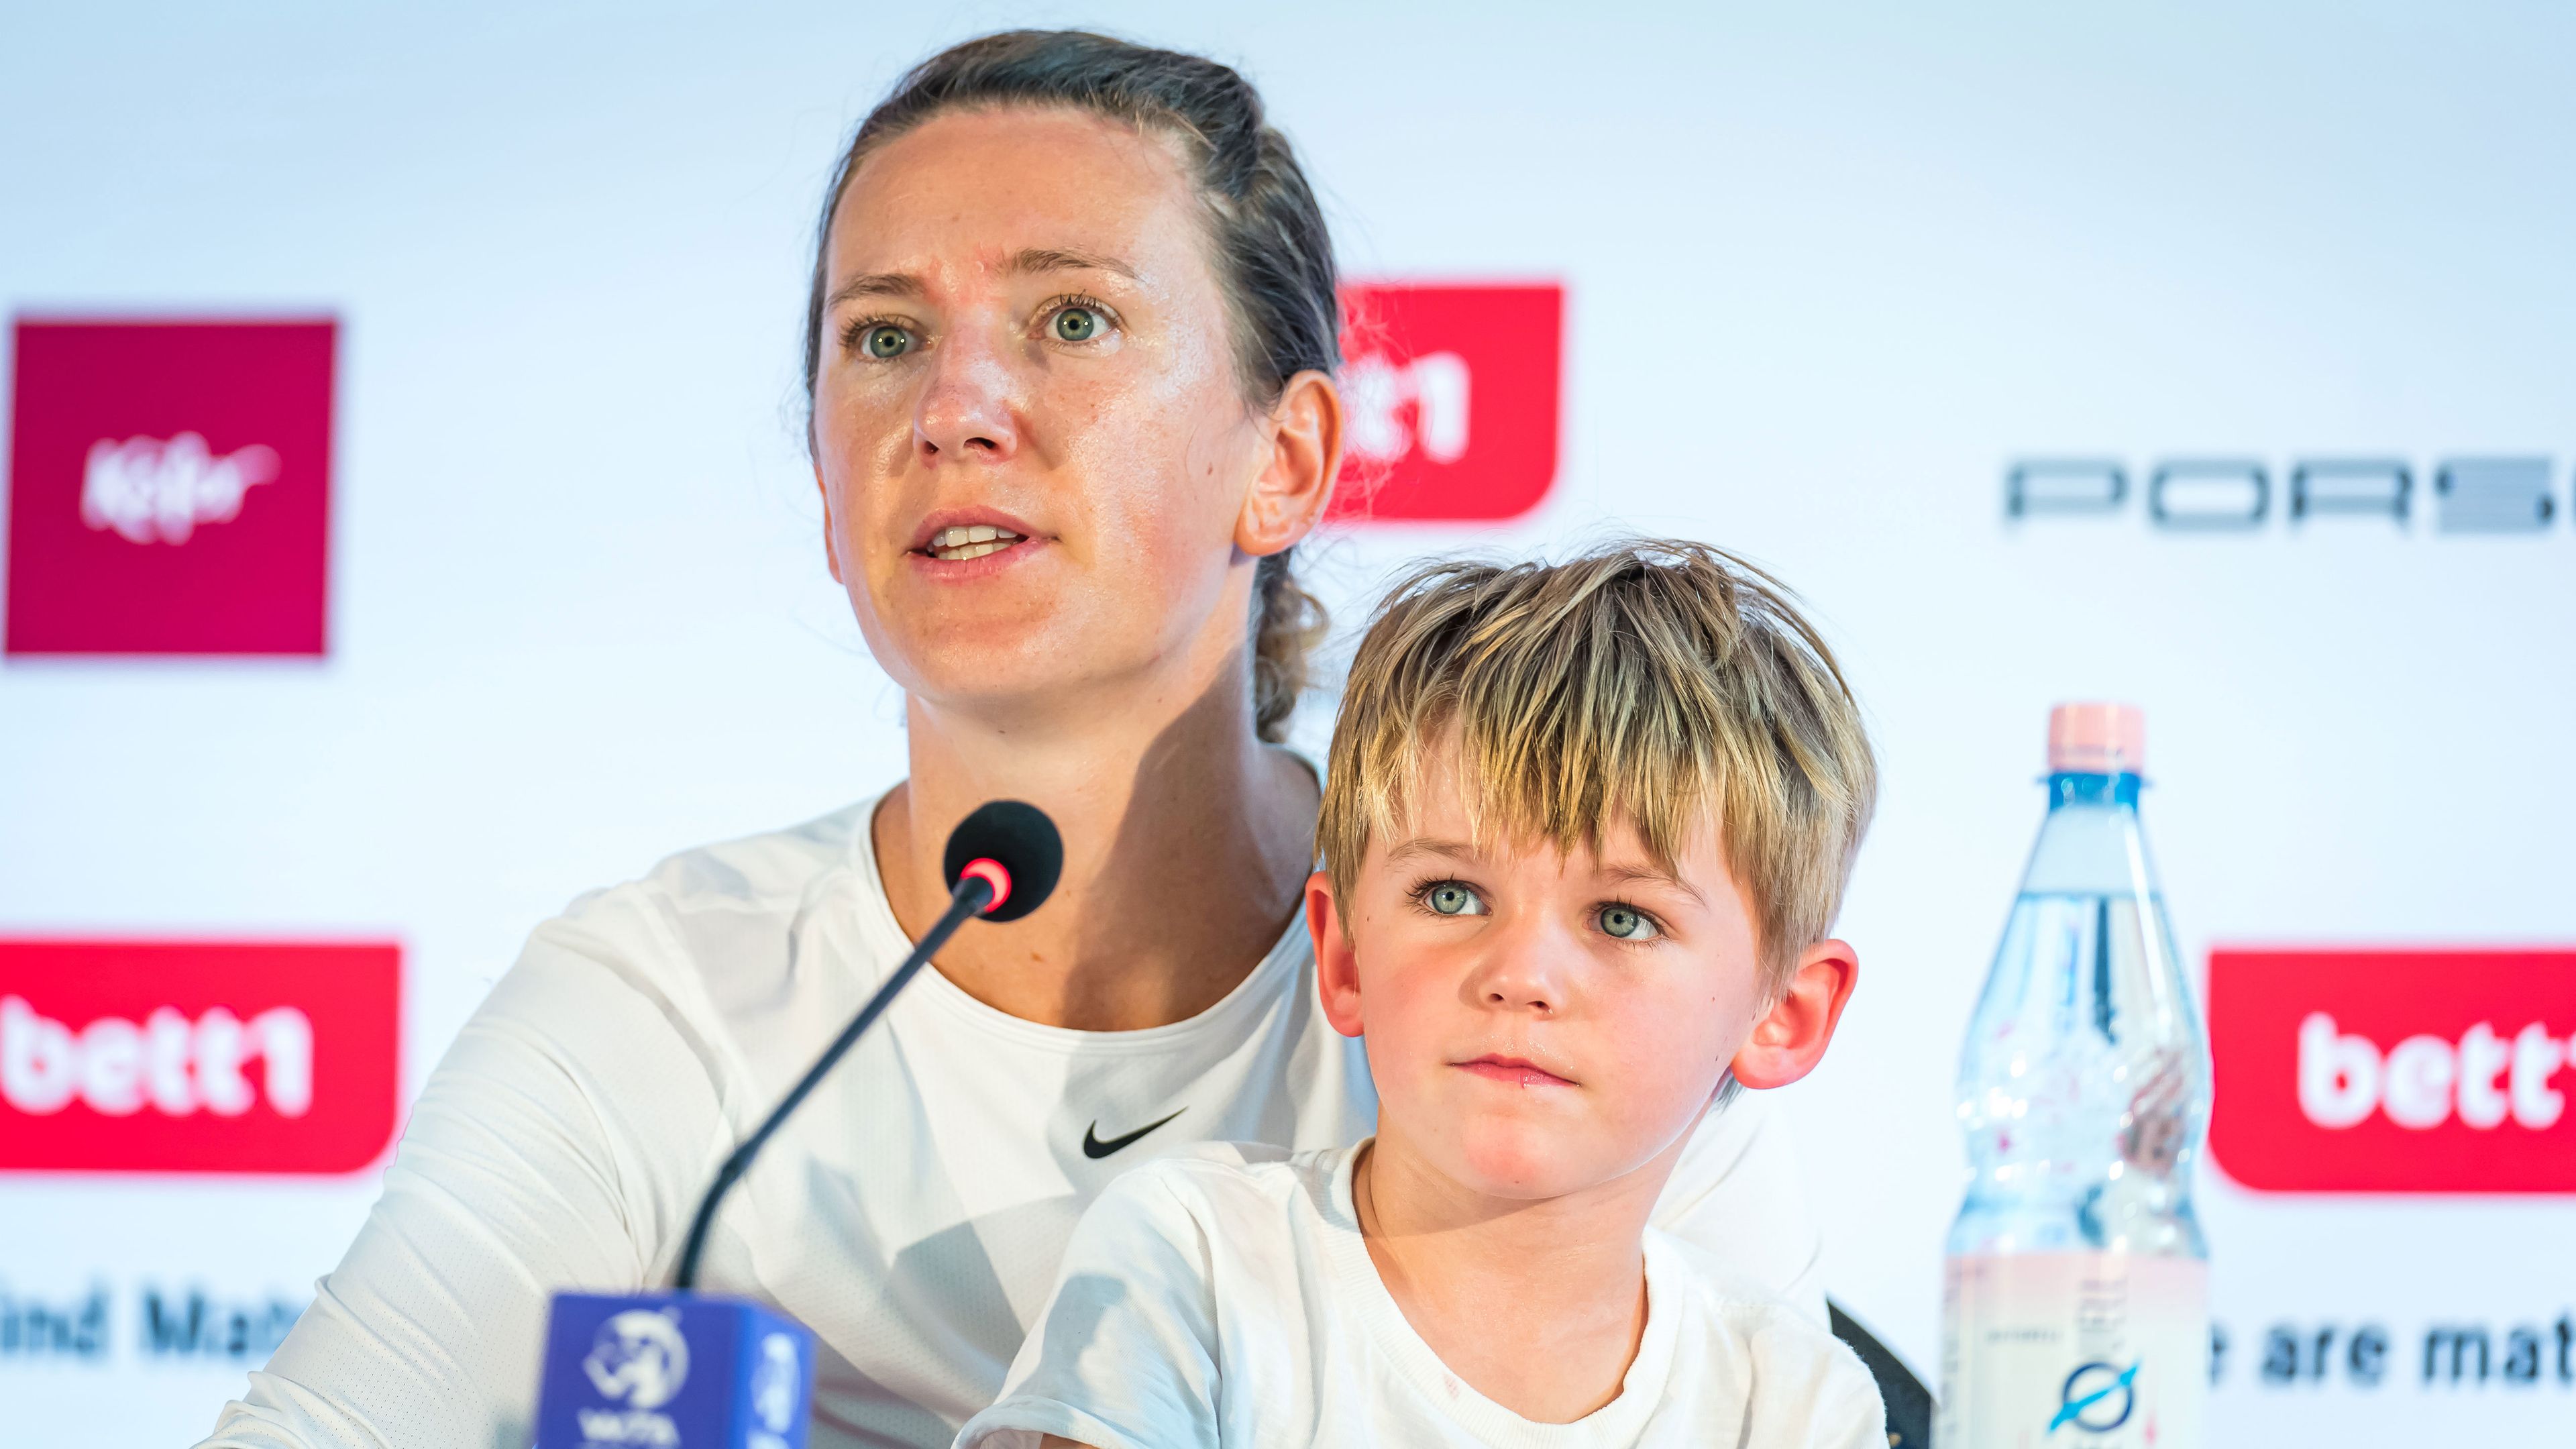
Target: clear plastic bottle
[{"x": 2075, "y": 1305}]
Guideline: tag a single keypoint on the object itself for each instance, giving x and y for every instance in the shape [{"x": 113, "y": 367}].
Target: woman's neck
[
  {"x": 1187, "y": 844},
  {"x": 1537, "y": 1305}
]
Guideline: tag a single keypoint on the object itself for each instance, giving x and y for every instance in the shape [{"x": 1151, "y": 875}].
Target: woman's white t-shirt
[
  {"x": 912, "y": 1213},
  {"x": 1224, "y": 1298}
]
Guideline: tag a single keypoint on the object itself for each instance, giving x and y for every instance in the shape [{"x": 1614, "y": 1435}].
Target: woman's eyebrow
[
  {"x": 875, "y": 284},
  {"x": 1028, "y": 261},
  {"x": 1068, "y": 259}
]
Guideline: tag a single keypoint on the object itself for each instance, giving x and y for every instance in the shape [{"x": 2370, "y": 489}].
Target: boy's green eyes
[
  {"x": 1627, "y": 923},
  {"x": 1457, "y": 898},
  {"x": 1449, "y": 898}
]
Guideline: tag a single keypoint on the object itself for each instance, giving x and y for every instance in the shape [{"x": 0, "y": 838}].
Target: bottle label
[{"x": 2073, "y": 1351}]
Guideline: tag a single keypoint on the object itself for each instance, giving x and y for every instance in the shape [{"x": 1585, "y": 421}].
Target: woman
[{"x": 1070, "y": 350}]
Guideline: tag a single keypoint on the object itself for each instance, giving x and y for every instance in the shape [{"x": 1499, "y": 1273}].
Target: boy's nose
[{"x": 1524, "y": 971}]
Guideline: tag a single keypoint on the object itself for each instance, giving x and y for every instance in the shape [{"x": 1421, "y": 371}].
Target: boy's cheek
[{"x": 1674, "y": 1051}]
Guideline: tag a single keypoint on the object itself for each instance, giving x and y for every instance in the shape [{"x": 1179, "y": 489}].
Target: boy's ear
[
  {"x": 1337, "y": 966},
  {"x": 1791, "y": 1037}
]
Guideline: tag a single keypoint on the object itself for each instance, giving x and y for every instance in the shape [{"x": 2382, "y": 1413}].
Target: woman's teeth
[{"x": 956, "y": 544}]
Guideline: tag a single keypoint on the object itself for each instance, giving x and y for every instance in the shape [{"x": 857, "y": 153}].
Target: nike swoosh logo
[{"x": 1095, "y": 1149}]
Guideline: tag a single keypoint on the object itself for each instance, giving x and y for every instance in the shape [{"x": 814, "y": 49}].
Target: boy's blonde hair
[{"x": 1656, "y": 680}]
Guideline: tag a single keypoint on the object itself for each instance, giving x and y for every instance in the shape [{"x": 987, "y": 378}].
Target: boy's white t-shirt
[
  {"x": 1225, "y": 1297},
  {"x": 912, "y": 1213}
]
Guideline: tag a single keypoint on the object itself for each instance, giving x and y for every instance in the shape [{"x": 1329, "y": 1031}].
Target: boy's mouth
[{"x": 1513, "y": 1071}]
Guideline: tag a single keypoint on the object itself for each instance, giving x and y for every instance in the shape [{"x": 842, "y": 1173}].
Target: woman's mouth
[
  {"x": 956, "y": 545},
  {"x": 1513, "y": 1071}
]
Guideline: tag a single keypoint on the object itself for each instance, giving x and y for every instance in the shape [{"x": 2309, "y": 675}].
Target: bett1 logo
[
  {"x": 163, "y": 1056},
  {"x": 1451, "y": 396},
  {"x": 2394, "y": 1071}
]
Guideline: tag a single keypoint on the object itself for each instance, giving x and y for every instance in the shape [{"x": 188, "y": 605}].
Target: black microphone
[
  {"x": 1002, "y": 863},
  {"x": 617, "y": 1366}
]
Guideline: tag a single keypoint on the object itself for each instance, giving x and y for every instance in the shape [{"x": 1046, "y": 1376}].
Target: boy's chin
[{"x": 1523, "y": 1160}]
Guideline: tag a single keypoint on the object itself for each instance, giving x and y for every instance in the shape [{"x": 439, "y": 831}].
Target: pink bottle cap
[{"x": 2097, "y": 739}]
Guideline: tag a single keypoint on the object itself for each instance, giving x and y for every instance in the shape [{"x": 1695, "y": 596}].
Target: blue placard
[{"x": 673, "y": 1371}]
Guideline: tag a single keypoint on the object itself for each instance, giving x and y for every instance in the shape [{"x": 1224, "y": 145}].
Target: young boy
[{"x": 1585, "y": 831}]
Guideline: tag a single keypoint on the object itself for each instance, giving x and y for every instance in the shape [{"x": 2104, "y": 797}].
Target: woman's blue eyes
[
  {"x": 1449, "y": 898},
  {"x": 1076, "y": 324}
]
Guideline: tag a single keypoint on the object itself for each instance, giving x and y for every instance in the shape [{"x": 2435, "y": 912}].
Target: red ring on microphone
[{"x": 992, "y": 873}]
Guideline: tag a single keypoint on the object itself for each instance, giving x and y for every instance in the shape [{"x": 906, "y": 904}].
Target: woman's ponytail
[{"x": 1287, "y": 624}]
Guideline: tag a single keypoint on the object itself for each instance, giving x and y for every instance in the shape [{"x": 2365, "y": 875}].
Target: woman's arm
[{"x": 558, "y": 1145}]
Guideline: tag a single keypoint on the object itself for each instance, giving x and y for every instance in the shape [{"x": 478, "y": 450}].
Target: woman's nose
[{"x": 968, "y": 405}]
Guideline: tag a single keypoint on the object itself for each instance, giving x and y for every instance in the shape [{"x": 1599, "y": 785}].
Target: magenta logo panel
[
  {"x": 1450, "y": 400},
  {"x": 169, "y": 487},
  {"x": 2417, "y": 1071}
]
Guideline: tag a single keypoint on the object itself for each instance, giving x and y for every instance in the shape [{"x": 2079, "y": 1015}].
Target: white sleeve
[
  {"x": 1124, "y": 1355},
  {"x": 1736, "y": 1195},
  {"x": 559, "y": 1144},
  {"x": 1812, "y": 1391}
]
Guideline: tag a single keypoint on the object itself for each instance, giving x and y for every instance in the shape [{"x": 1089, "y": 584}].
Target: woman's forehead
[{"x": 975, "y": 192}]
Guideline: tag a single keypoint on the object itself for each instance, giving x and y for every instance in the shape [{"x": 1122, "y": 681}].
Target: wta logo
[
  {"x": 181, "y": 1057},
  {"x": 2394, "y": 1071},
  {"x": 1450, "y": 398}
]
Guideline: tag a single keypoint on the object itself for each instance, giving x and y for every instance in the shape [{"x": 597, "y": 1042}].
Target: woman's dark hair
[{"x": 1273, "y": 256}]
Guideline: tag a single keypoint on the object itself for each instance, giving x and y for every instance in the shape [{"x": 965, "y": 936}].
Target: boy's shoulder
[{"x": 1230, "y": 1181}]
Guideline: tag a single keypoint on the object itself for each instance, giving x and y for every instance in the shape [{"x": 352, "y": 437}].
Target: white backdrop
[{"x": 1827, "y": 274}]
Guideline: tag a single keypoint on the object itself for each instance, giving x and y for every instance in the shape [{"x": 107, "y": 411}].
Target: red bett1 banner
[
  {"x": 2394, "y": 1071},
  {"x": 1450, "y": 398},
  {"x": 166, "y": 1056},
  {"x": 169, "y": 487}
]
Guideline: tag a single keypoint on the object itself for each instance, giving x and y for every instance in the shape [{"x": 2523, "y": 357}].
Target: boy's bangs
[{"x": 1551, "y": 781}]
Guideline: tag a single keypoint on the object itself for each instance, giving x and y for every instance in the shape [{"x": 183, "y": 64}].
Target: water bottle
[{"x": 2075, "y": 1301}]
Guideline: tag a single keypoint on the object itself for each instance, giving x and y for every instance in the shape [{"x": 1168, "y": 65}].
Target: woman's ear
[
  {"x": 1791, "y": 1037},
  {"x": 831, "y": 540},
  {"x": 1289, "y": 494},
  {"x": 1337, "y": 966}
]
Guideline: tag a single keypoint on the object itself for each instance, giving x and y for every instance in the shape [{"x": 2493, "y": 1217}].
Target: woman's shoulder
[
  {"x": 773, "y": 869},
  {"x": 728, "y": 901},
  {"x": 709, "y": 940}
]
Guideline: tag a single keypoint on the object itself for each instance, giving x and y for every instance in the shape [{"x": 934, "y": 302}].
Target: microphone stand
[{"x": 974, "y": 893}]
